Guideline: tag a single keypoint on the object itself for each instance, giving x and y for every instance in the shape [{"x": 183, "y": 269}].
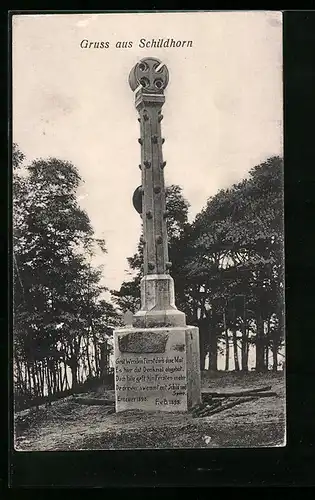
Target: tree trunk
[
  {"x": 74, "y": 374},
  {"x": 227, "y": 345},
  {"x": 235, "y": 349},
  {"x": 56, "y": 367},
  {"x": 20, "y": 381},
  {"x": 49, "y": 387},
  {"x": 67, "y": 385},
  {"x": 260, "y": 365},
  {"x": 38, "y": 384},
  {"x": 29, "y": 377},
  {"x": 202, "y": 346},
  {"x": 41, "y": 378},
  {"x": 61, "y": 381},
  {"x": 213, "y": 350},
  {"x": 35, "y": 388},
  {"x": 96, "y": 353},
  {"x": 266, "y": 357},
  {"x": 227, "y": 352},
  {"x": 213, "y": 360},
  {"x": 54, "y": 376},
  {"x": 203, "y": 355},
  {"x": 36, "y": 378},
  {"x": 104, "y": 359},
  {"x": 88, "y": 356},
  {"x": 274, "y": 356},
  {"x": 267, "y": 343},
  {"x": 73, "y": 364},
  {"x": 244, "y": 349}
]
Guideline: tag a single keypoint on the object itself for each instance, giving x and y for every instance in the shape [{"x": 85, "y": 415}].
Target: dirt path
[{"x": 67, "y": 425}]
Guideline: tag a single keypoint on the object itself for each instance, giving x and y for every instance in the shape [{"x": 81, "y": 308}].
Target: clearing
[{"x": 68, "y": 425}]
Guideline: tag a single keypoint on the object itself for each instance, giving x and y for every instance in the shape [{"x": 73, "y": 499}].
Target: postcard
[{"x": 148, "y": 231}]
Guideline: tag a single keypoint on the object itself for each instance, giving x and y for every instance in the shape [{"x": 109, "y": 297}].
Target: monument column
[
  {"x": 148, "y": 79},
  {"x": 157, "y": 363}
]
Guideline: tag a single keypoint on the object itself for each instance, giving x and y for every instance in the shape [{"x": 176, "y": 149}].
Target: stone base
[
  {"x": 157, "y": 369},
  {"x": 158, "y": 303}
]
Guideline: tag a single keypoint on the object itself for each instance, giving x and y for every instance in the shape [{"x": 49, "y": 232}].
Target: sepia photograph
[{"x": 148, "y": 231}]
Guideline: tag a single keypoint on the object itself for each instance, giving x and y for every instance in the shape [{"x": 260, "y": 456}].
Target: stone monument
[{"x": 157, "y": 365}]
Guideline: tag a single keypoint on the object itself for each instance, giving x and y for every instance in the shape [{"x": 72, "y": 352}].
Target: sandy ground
[{"x": 67, "y": 425}]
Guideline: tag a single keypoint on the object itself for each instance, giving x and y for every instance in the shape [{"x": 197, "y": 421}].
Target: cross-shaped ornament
[{"x": 150, "y": 74}]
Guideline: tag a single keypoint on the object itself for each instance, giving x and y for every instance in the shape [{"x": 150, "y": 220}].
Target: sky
[{"x": 222, "y": 115}]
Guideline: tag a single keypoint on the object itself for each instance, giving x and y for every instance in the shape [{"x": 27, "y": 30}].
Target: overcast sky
[{"x": 222, "y": 115}]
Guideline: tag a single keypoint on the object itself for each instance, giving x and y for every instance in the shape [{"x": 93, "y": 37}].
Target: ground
[{"x": 68, "y": 425}]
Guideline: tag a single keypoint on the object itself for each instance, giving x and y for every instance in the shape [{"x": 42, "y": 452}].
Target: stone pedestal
[{"x": 157, "y": 369}]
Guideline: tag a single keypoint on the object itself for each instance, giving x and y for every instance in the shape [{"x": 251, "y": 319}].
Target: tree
[
  {"x": 127, "y": 297},
  {"x": 57, "y": 293},
  {"x": 237, "y": 250}
]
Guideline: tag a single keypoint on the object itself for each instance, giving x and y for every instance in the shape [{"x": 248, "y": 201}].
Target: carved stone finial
[{"x": 151, "y": 74}]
